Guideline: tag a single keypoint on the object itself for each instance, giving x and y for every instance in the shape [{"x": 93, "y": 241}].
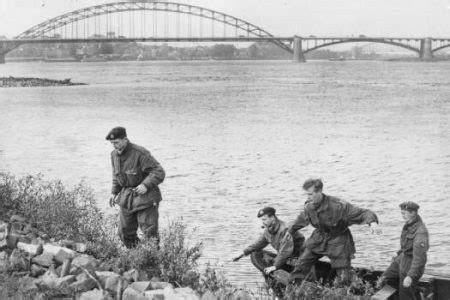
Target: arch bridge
[{"x": 148, "y": 21}]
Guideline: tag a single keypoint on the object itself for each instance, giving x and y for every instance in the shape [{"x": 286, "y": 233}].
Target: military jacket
[
  {"x": 278, "y": 236},
  {"x": 331, "y": 218},
  {"x": 135, "y": 166},
  {"x": 414, "y": 242}
]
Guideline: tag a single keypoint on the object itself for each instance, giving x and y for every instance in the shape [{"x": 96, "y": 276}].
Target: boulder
[
  {"x": 154, "y": 295},
  {"x": 54, "y": 249},
  {"x": 30, "y": 248},
  {"x": 131, "y": 294},
  {"x": 95, "y": 295},
  {"x": 103, "y": 276},
  {"x": 80, "y": 247},
  {"x": 45, "y": 259},
  {"x": 18, "y": 261},
  {"x": 17, "y": 218},
  {"x": 84, "y": 285},
  {"x": 3, "y": 226},
  {"x": 28, "y": 284},
  {"x": 3, "y": 261},
  {"x": 85, "y": 261},
  {"x": 185, "y": 293},
  {"x": 159, "y": 285},
  {"x": 37, "y": 270},
  {"x": 131, "y": 275},
  {"x": 65, "y": 267},
  {"x": 140, "y": 286},
  {"x": 64, "y": 254}
]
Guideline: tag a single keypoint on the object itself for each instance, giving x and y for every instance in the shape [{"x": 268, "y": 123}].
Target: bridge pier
[
  {"x": 5, "y": 47},
  {"x": 298, "y": 52},
  {"x": 425, "y": 49}
]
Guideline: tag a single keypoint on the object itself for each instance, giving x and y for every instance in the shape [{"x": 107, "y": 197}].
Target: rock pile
[
  {"x": 30, "y": 82},
  {"x": 63, "y": 269}
]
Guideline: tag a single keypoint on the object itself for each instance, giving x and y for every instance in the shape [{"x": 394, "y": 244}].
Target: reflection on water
[{"x": 236, "y": 136}]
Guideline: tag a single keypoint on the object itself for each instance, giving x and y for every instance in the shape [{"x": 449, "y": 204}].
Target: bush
[
  {"x": 59, "y": 212},
  {"x": 173, "y": 260}
]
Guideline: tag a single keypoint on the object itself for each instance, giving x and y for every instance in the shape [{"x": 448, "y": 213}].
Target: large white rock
[{"x": 185, "y": 293}]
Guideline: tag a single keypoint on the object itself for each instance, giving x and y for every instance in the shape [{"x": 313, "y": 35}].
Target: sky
[{"x": 389, "y": 18}]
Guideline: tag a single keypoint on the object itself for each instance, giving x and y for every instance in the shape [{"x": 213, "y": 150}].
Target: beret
[
  {"x": 116, "y": 133},
  {"x": 270, "y": 211},
  {"x": 409, "y": 206}
]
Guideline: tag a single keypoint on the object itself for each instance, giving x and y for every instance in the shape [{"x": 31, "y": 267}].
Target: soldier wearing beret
[
  {"x": 135, "y": 178},
  {"x": 288, "y": 246},
  {"x": 332, "y": 218},
  {"x": 409, "y": 264}
]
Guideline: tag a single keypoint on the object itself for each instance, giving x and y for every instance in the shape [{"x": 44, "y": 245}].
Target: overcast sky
[{"x": 415, "y": 18}]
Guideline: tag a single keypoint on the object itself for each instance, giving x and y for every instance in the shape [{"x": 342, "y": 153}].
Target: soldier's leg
[
  {"x": 148, "y": 221},
  {"x": 408, "y": 293},
  {"x": 304, "y": 265},
  {"x": 128, "y": 226},
  {"x": 342, "y": 266},
  {"x": 392, "y": 274}
]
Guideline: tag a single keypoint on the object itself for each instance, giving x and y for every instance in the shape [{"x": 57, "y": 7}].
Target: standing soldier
[
  {"x": 135, "y": 179},
  {"x": 408, "y": 266},
  {"x": 332, "y": 237}
]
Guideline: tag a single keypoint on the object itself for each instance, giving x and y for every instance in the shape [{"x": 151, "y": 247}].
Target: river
[{"x": 236, "y": 136}]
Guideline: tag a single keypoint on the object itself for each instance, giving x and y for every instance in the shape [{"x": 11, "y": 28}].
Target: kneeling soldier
[
  {"x": 276, "y": 233},
  {"x": 409, "y": 264}
]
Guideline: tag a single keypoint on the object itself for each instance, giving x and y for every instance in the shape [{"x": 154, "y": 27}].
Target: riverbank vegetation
[{"x": 72, "y": 214}]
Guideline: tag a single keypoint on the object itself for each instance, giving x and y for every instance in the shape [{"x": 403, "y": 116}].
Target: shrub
[{"x": 59, "y": 212}]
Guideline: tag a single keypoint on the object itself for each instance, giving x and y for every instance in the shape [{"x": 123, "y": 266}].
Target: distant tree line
[{"x": 142, "y": 51}]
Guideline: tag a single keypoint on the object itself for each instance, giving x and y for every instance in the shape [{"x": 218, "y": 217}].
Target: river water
[{"x": 236, "y": 136}]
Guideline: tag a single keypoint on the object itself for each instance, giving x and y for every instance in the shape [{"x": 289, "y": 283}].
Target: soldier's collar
[
  {"x": 127, "y": 146},
  {"x": 323, "y": 203},
  {"x": 275, "y": 226},
  {"x": 412, "y": 225}
]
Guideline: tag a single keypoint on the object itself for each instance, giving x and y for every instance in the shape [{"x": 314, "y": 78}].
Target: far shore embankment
[{"x": 32, "y": 82}]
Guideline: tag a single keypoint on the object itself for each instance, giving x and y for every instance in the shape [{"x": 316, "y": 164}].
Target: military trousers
[
  {"x": 145, "y": 219},
  {"x": 396, "y": 273},
  {"x": 309, "y": 258}
]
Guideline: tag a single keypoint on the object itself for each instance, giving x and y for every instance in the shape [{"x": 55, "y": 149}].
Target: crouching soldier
[
  {"x": 409, "y": 264},
  {"x": 288, "y": 246}
]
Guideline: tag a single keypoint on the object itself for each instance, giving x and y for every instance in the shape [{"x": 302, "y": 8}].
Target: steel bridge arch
[
  {"x": 440, "y": 48},
  {"x": 381, "y": 41},
  {"x": 41, "y": 29}
]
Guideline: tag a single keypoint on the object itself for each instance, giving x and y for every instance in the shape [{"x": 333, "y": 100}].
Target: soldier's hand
[
  {"x": 238, "y": 257},
  {"x": 374, "y": 229},
  {"x": 141, "y": 189},
  {"x": 112, "y": 200},
  {"x": 269, "y": 270},
  {"x": 407, "y": 282}
]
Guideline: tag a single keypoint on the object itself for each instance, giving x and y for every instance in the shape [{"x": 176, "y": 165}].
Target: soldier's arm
[
  {"x": 115, "y": 184},
  {"x": 285, "y": 251},
  {"x": 259, "y": 244},
  {"x": 154, "y": 170},
  {"x": 420, "y": 248},
  {"x": 301, "y": 221},
  {"x": 356, "y": 215}
]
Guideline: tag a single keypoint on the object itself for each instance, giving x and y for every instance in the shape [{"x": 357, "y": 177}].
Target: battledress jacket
[
  {"x": 414, "y": 244},
  {"x": 331, "y": 218},
  {"x": 135, "y": 165},
  {"x": 278, "y": 236}
]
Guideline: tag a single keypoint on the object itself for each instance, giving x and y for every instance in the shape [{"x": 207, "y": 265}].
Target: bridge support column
[
  {"x": 5, "y": 47},
  {"x": 298, "y": 52},
  {"x": 425, "y": 49}
]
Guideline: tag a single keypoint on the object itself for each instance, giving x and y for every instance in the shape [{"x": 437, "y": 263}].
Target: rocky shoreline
[{"x": 32, "y": 82}]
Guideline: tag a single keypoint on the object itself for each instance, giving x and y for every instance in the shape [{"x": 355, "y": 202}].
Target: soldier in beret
[
  {"x": 135, "y": 178},
  {"x": 409, "y": 264},
  {"x": 288, "y": 246},
  {"x": 332, "y": 218}
]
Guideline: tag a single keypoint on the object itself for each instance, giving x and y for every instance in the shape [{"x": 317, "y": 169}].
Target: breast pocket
[{"x": 133, "y": 177}]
